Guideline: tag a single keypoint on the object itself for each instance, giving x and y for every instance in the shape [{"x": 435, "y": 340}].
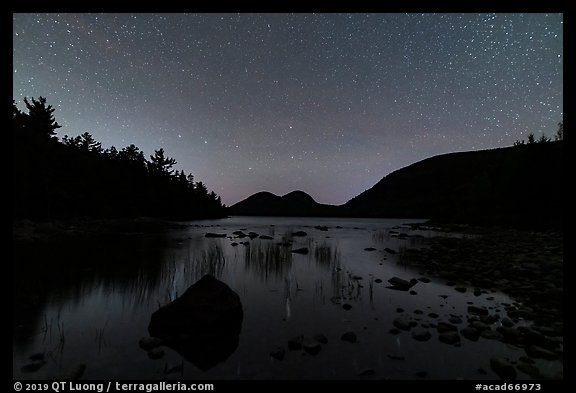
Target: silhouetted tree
[
  {"x": 76, "y": 177},
  {"x": 88, "y": 143},
  {"x": 560, "y": 133},
  {"x": 543, "y": 139},
  {"x": 519, "y": 143},
  {"x": 159, "y": 164},
  {"x": 531, "y": 139},
  {"x": 40, "y": 118}
]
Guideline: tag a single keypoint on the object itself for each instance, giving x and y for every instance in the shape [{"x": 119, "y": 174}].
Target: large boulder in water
[{"x": 203, "y": 324}]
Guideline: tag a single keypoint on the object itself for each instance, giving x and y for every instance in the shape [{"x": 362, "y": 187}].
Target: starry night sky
[{"x": 325, "y": 103}]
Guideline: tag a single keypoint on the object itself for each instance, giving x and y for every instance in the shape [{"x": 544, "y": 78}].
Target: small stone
[
  {"x": 312, "y": 348},
  {"x": 446, "y": 327},
  {"x": 479, "y": 325},
  {"x": 378, "y": 281},
  {"x": 401, "y": 324},
  {"x": 537, "y": 352},
  {"x": 470, "y": 333},
  {"x": 295, "y": 343},
  {"x": 369, "y": 249},
  {"x": 390, "y": 251},
  {"x": 265, "y": 237},
  {"x": 413, "y": 293},
  {"x": 32, "y": 367},
  {"x": 302, "y": 250},
  {"x": 400, "y": 284},
  {"x": 299, "y": 233},
  {"x": 148, "y": 343},
  {"x": 502, "y": 368},
  {"x": 366, "y": 372},
  {"x": 455, "y": 320},
  {"x": 460, "y": 289},
  {"x": 477, "y": 310},
  {"x": 433, "y": 315},
  {"x": 399, "y": 309},
  {"x": 421, "y": 335},
  {"x": 37, "y": 356},
  {"x": 490, "y": 334},
  {"x": 156, "y": 353},
  {"x": 528, "y": 369},
  {"x": 418, "y": 312},
  {"x": 278, "y": 353},
  {"x": 449, "y": 337},
  {"x": 346, "y": 306},
  {"x": 507, "y": 322},
  {"x": 425, "y": 280},
  {"x": 349, "y": 337}
]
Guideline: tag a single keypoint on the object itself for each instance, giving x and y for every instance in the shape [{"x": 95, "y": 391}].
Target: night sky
[{"x": 325, "y": 103}]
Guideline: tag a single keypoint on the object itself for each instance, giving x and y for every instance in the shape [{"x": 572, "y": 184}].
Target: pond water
[{"x": 92, "y": 301}]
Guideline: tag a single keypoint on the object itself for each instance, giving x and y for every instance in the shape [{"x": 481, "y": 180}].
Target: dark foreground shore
[{"x": 528, "y": 266}]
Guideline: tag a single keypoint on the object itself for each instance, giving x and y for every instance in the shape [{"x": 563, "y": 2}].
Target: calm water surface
[{"x": 94, "y": 299}]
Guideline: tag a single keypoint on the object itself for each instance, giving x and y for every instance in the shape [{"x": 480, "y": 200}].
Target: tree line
[
  {"x": 531, "y": 139},
  {"x": 76, "y": 177}
]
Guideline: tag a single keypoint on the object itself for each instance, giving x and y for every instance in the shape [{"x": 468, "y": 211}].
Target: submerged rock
[
  {"x": 446, "y": 327},
  {"x": 278, "y": 353},
  {"x": 299, "y": 233},
  {"x": 449, "y": 337},
  {"x": 347, "y": 306},
  {"x": 366, "y": 372},
  {"x": 401, "y": 324},
  {"x": 400, "y": 284},
  {"x": 32, "y": 367},
  {"x": 470, "y": 333},
  {"x": 295, "y": 343},
  {"x": 390, "y": 251},
  {"x": 421, "y": 335},
  {"x": 313, "y": 348},
  {"x": 302, "y": 250},
  {"x": 491, "y": 334},
  {"x": 156, "y": 353},
  {"x": 210, "y": 234},
  {"x": 148, "y": 343},
  {"x": 202, "y": 325},
  {"x": 502, "y": 367},
  {"x": 349, "y": 337},
  {"x": 537, "y": 352},
  {"x": 477, "y": 310},
  {"x": 265, "y": 237}
]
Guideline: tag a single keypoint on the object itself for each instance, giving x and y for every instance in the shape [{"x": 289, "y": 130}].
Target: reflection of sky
[{"x": 281, "y": 299}]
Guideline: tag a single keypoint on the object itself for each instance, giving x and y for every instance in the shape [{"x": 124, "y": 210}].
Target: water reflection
[
  {"x": 268, "y": 259},
  {"x": 69, "y": 271}
]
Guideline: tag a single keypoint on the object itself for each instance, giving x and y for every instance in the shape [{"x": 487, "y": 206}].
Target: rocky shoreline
[
  {"x": 24, "y": 231},
  {"x": 527, "y": 266}
]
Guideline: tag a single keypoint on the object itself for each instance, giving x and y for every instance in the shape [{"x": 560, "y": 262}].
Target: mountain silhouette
[
  {"x": 295, "y": 203},
  {"x": 517, "y": 186},
  {"x": 514, "y": 186}
]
